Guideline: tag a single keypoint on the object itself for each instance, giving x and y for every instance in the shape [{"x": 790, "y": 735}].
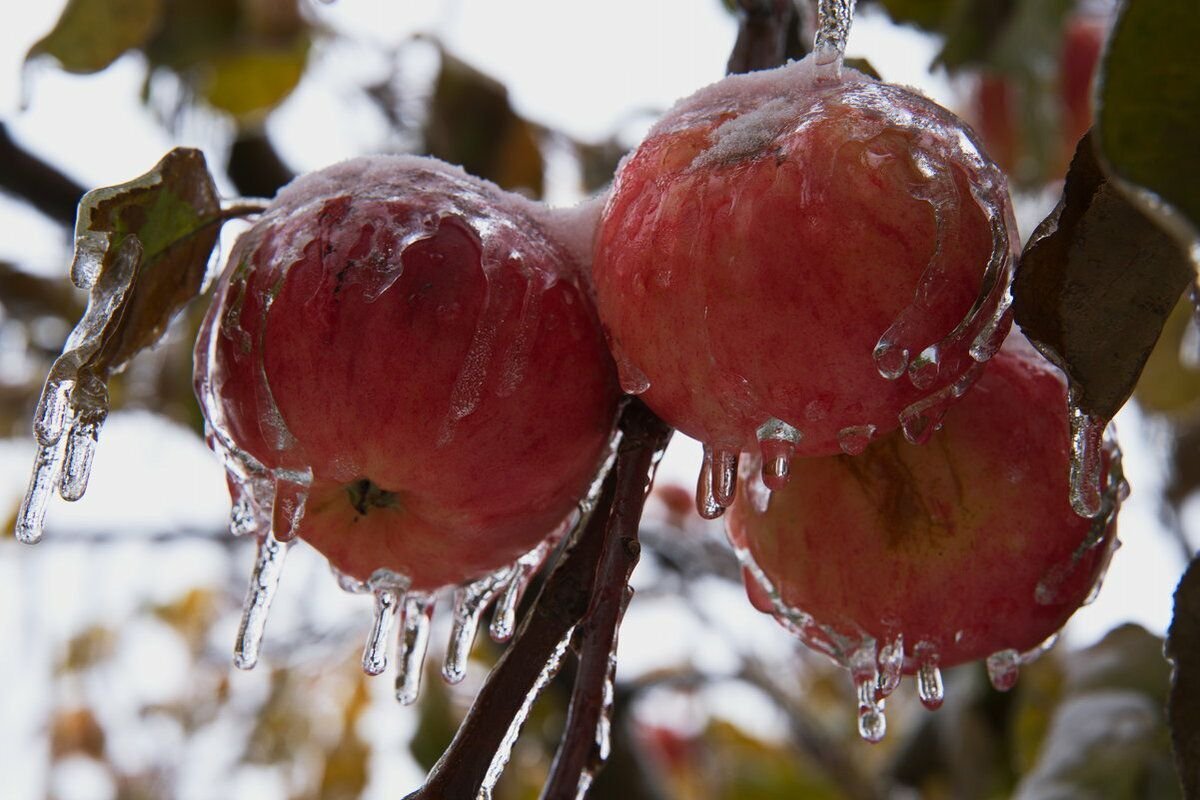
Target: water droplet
[
  {"x": 389, "y": 589},
  {"x": 470, "y": 601},
  {"x": 264, "y": 580},
  {"x": 724, "y": 477},
  {"x": 77, "y": 465},
  {"x": 777, "y": 442},
  {"x": 1004, "y": 667},
  {"x": 854, "y": 439},
  {"x": 706, "y": 501},
  {"x": 891, "y": 666},
  {"x": 1087, "y": 432},
  {"x": 629, "y": 375},
  {"x": 890, "y": 359},
  {"x": 31, "y": 516},
  {"x": 929, "y": 682},
  {"x": 414, "y": 641},
  {"x": 291, "y": 494},
  {"x": 872, "y": 723}
]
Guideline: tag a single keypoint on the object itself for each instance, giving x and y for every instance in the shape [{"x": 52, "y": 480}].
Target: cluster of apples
[{"x": 804, "y": 268}]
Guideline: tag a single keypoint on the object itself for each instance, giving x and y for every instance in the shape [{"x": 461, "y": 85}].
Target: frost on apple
[
  {"x": 798, "y": 261},
  {"x": 364, "y": 373},
  {"x": 908, "y": 560}
]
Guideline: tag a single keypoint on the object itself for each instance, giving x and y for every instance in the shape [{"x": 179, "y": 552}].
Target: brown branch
[
  {"x": 562, "y": 603},
  {"x": 579, "y": 752},
  {"x": 255, "y": 166},
  {"x": 768, "y": 35},
  {"x": 41, "y": 185}
]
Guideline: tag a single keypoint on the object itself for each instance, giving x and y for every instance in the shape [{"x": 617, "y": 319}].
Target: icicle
[
  {"x": 891, "y": 666},
  {"x": 923, "y": 370},
  {"x": 504, "y": 751},
  {"x": 922, "y": 418},
  {"x": 833, "y": 28},
  {"x": 929, "y": 680},
  {"x": 1003, "y": 668},
  {"x": 291, "y": 494},
  {"x": 389, "y": 589},
  {"x": 77, "y": 464},
  {"x": 854, "y": 439},
  {"x": 872, "y": 724},
  {"x": 349, "y": 583},
  {"x": 724, "y": 475},
  {"x": 1087, "y": 433},
  {"x": 49, "y": 420},
  {"x": 470, "y": 601},
  {"x": 414, "y": 641},
  {"x": 777, "y": 442},
  {"x": 706, "y": 499},
  {"x": 88, "y": 259},
  {"x": 31, "y": 516},
  {"x": 504, "y": 617},
  {"x": 264, "y": 580}
]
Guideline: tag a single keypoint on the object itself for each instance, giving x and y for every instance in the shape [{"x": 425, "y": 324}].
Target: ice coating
[
  {"x": 963, "y": 548},
  {"x": 805, "y": 247}
]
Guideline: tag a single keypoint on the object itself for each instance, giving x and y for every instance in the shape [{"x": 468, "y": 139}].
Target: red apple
[
  {"x": 406, "y": 363},
  {"x": 800, "y": 256},
  {"x": 959, "y": 549}
]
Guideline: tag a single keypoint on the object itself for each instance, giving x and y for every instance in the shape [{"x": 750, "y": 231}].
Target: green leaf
[
  {"x": 1095, "y": 285},
  {"x": 1148, "y": 116},
  {"x": 252, "y": 81},
  {"x": 91, "y": 34},
  {"x": 1183, "y": 648}
]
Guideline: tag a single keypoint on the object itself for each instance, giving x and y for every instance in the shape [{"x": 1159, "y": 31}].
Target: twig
[
  {"x": 42, "y": 185},
  {"x": 580, "y": 753},
  {"x": 561, "y": 604}
]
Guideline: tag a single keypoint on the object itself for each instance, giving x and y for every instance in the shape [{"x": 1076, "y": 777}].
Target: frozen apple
[
  {"x": 906, "y": 559},
  {"x": 801, "y": 260}
]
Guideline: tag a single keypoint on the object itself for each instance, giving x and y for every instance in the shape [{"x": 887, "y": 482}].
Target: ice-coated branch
[
  {"x": 768, "y": 35},
  {"x": 834, "y": 18},
  {"x": 565, "y": 599},
  {"x": 585, "y": 744}
]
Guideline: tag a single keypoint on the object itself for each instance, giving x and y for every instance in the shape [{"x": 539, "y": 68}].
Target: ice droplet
[
  {"x": 264, "y": 580},
  {"x": 504, "y": 751},
  {"x": 854, "y": 439},
  {"x": 31, "y": 516},
  {"x": 414, "y": 641},
  {"x": 777, "y": 442},
  {"x": 872, "y": 724},
  {"x": 929, "y": 681},
  {"x": 1087, "y": 432},
  {"x": 724, "y": 477},
  {"x": 707, "y": 504},
  {"x": 504, "y": 617},
  {"x": 77, "y": 465},
  {"x": 629, "y": 375},
  {"x": 388, "y": 588},
  {"x": 50, "y": 417},
  {"x": 833, "y": 29},
  {"x": 890, "y": 359},
  {"x": 470, "y": 601},
  {"x": 891, "y": 666},
  {"x": 1004, "y": 667},
  {"x": 291, "y": 494},
  {"x": 919, "y": 420}
]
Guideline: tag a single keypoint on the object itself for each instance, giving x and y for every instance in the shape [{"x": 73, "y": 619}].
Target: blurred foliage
[{"x": 1170, "y": 382}]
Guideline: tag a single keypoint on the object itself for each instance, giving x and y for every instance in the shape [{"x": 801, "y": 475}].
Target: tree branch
[
  {"x": 768, "y": 35},
  {"x": 37, "y": 182}
]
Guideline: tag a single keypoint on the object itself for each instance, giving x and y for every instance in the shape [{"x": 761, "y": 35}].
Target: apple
[
  {"x": 404, "y": 367},
  {"x": 802, "y": 257}
]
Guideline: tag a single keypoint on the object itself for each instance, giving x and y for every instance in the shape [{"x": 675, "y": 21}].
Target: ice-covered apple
[
  {"x": 403, "y": 367},
  {"x": 909, "y": 558},
  {"x": 803, "y": 258}
]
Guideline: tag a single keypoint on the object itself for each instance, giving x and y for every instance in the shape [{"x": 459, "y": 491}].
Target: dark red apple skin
[
  {"x": 943, "y": 543},
  {"x": 420, "y": 332},
  {"x": 756, "y": 285}
]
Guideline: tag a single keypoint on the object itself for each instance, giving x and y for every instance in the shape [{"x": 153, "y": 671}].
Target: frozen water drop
[
  {"x": 389, "y": 594},
  {"x": 77, "y": 464},
  {"x": 891, "y": 666},
  {"x": 504, "y": 618},
  {"x": 88, "y": 259},
  {"x": 629, "y": 375},
  {"x": 923, "y": 370},
  {"x": 929, "y": 683},
  {"x": 890, "y": 359},
  {"x": 1003, "y": 668},
  {"x": 49, "y": 419},
  {"x": 777, "y": 442},
  {"x": 414, "y": 641},
  {"x": 31, "y": 516},
  {"x": 1087, "y": 433},
  {"x": 264, "y": 580},
  {"x": 872, "y": 723},
  {"x": 724, "y": 477},
  {"x": 854, "y": 439},
  {"x": 707, "y": 504},
  {"x": 470, "y": 601},
  {"x": 291, "y": 494}
]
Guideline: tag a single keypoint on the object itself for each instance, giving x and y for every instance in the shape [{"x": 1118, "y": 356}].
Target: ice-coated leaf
[
  {"x": 1095, "y": 286},
  {"x": 91, "y": 34},
  {"x": 1147, "y": 125},
  {"x": 1183, "y": 648},
  {"x": 174, "y": 211}
]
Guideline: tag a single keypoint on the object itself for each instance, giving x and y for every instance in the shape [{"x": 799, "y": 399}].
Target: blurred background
[{"x": 116, "y": 630}]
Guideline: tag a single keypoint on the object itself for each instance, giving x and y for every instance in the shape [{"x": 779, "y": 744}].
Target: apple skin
[
  {"x": 421, "y": 342},
  {"x": 768, "y": 231},
  {"x": 945, "y": 543}
]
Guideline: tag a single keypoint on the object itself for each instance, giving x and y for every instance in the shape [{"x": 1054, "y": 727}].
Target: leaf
[
  {"x": 1183, "y": 648},
  {"x": 1170, "y": 383},
  {"x": 1147, "y": 124},
  {"x": 91, "y": 34},
  {"x": 76, "y": 731},
  {"x": 1095, "y": 285},
  {"x": 249, "y": 82}
]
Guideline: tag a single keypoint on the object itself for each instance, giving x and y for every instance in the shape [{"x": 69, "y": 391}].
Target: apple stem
[{"x": 834, "y": 18}]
